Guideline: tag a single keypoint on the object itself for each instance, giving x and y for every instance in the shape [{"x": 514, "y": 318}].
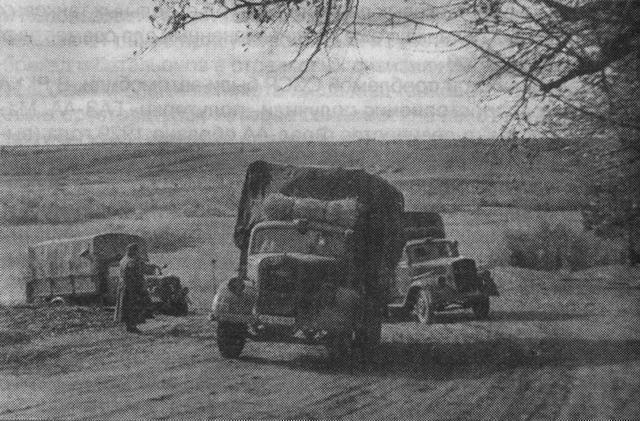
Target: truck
[
  {"x": 432, "y": 276},
  {"x": 318, "y": 248},
  {"x": 85, "y": 271}
]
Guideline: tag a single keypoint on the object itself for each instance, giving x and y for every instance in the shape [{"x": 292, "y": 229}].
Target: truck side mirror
[
  {"x": 442, "y": 281},
  {"x": 302, "y": 225},
  {"x": 348, "y": 236},
  {"x": 86, "y": 254}
]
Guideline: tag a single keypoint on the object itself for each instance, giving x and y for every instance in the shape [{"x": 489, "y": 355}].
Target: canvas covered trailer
[{"x": 79, "y": 269}]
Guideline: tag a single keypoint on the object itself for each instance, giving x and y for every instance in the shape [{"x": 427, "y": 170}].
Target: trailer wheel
[
  {"x": 58, "y": 302},
  {"x": 231, "y": 339},
  {"x": 423, "y": 308},
  {"x": 182, "y": 308},
  {"x": 481, "y": 308}
]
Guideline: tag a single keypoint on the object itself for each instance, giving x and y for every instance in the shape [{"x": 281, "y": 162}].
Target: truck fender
[
  {"x": 489, "y": 286},
  {"x": 226, "y": 301},
  {"x": 416, "y": 286}
]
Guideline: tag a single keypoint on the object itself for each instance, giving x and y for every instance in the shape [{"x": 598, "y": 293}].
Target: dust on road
[{"x": 553, "y": 348}]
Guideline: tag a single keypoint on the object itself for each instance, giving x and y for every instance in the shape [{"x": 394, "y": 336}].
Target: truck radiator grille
[
  {"x": 465, "y": 273},
  {"x": 277, "y": 290}
]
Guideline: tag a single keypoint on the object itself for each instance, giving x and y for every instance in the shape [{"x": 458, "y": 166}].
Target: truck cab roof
[{"x": 420, "y": 241}]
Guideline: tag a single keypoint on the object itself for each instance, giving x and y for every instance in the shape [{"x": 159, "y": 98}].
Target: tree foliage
[
  {"x": 531, "y": 49},
  {"x": 570, "y": 67}
]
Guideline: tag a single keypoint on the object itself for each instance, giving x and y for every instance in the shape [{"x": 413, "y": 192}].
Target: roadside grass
[
  {"x": 481, "y": 232},
  {"x": 71, "y": 202},
  {"x": 558, "y": 247},
  {"x": 58, "y": 207}
]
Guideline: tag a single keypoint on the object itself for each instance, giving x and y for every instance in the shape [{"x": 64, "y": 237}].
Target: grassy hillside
[{"x": 50, "y": 184}]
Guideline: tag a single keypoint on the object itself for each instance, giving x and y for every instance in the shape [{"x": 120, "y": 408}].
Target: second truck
[{"x": 432, "y": 276}]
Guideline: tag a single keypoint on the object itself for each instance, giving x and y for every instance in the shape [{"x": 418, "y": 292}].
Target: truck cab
[
  {"x": 422, "y": 257},
  {"x": 290, "y": 263},
  {"x": 295, "y": 287}
]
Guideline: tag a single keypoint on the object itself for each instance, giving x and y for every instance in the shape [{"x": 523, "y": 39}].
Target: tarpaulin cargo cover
[
  {"x": 76, "y": 266},
  {"x": 378, "y": 232}
]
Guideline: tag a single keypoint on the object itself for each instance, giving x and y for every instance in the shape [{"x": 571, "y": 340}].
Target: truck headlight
[{"x": 236, "y": 285}]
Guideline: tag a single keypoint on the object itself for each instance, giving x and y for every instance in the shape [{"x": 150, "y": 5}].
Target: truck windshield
[
  {"x": 430, "y": 251},
  {"x": 291, "y": 240}
]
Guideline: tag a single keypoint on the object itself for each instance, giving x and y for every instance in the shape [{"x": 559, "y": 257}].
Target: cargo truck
[{"x": 318, "y": 249}]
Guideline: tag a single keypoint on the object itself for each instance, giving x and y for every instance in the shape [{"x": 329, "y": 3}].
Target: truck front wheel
[
  {"x": 423, "y": 308},
  {"x": 231, "y": 339}
]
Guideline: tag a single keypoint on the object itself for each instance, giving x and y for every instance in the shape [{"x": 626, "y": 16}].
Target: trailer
[{"x": 85, "y": 271}]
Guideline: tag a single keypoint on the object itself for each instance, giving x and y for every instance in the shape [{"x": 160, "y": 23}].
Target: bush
[
  {"x": 58, "y": 208},
  {"x": 558, "y": 247}
]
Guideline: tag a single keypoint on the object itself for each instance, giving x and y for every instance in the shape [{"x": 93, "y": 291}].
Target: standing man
[{"x": 133, "y": 297}]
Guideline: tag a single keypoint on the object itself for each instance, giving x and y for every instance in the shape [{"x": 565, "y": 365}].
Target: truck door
[{"x": 402, "y": 279}]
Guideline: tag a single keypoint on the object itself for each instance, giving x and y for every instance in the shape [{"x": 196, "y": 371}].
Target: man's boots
[{"x": 133, "y": 329}]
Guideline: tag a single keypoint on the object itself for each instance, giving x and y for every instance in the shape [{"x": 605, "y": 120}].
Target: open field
[{"x": 558, "y": 345}]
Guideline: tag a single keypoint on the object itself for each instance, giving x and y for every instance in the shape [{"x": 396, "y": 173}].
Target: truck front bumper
[
  {"x": 253, "y": 319},
  {"x": 339, "y": 316}
]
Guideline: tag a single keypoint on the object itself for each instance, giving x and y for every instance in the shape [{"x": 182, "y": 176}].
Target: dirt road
[{"x": 554, "y": 348}]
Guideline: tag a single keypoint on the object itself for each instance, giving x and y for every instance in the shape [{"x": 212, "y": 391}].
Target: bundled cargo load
[{"x": 344, "y": 213}]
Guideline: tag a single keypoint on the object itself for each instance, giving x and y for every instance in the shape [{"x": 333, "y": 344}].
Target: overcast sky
[{"x": 68, "y": 75}]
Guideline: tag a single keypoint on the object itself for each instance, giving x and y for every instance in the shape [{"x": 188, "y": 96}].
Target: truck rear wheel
[
  {"x": 368, "y": 338},
  {"x": 481, "y": 308},
  {"x": 340, "y": 346},
  {"x": 231, "y": 339},
  {"x": 368, "y": 334},
  {"x": 58, "y": 302},
  {"x": 423, "y": 308}
]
